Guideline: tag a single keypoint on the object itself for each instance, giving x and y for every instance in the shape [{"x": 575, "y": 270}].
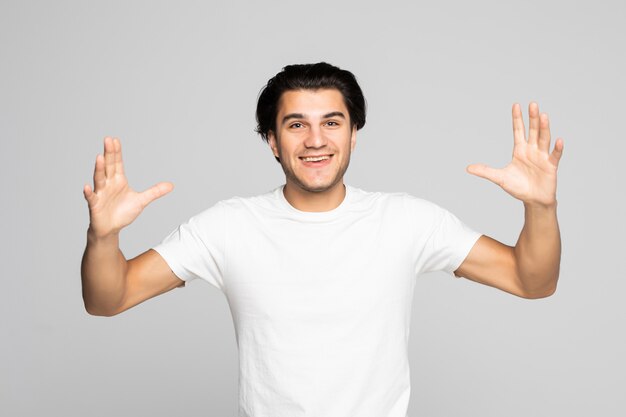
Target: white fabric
[{"x": 321, "y": 301}]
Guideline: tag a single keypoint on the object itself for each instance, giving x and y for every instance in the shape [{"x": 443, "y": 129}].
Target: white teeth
[{"x": 315, "y": 158}]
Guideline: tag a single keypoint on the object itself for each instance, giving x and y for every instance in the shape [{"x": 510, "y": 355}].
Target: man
[{"x": 319, "y": 275}]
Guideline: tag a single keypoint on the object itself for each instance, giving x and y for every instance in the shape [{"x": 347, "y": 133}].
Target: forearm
[
  {"x": 103, "y": 273},
  {"x": 538, "y": 251}
]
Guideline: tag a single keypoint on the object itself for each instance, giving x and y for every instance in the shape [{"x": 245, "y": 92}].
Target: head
[
  {"x": 308, "y": 77},
  {"x": 291, "y": 116}
]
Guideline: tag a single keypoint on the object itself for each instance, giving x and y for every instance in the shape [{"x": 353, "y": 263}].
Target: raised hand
[
  {"x": 531, "y": 174},
  {"x": 112, "y": 203}
]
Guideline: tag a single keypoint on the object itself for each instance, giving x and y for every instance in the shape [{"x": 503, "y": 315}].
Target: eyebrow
[{"x": 302, "y": 116}]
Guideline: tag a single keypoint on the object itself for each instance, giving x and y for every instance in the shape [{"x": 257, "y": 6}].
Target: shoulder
[
  {"x": 423, "y": 207},
  {"x": 233, "y": 206},
  {"x": 400, "y": 207},
  {"x": 397, "y": 200},
  {"x": 266, "y": 201}
]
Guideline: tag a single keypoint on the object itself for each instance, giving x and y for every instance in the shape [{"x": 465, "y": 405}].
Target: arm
[
  {"x": 530, "y": 269},
  {"x": 110, "y": 283}
]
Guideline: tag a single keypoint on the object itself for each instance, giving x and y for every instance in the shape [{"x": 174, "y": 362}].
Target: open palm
[
  {"x": 112, "y": 203},
  {"x": 531, "y": 175}
]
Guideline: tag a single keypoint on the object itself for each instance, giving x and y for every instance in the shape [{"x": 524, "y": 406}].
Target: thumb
[
  {"x": 486, "y": 172},
  {"x": 156, "y": 191},
  {"x": 88, "y": 193}
]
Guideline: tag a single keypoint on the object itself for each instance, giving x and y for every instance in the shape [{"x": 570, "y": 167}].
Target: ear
[
  {"x": 271, "y": 139},
  {"x": 353, "y": 138}
]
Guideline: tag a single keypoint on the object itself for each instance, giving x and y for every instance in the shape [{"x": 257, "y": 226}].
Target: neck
[{"x": 304, "y": 200}]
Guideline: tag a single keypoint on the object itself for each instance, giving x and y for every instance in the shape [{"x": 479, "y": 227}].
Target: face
[{"x": 313, "y": 139}]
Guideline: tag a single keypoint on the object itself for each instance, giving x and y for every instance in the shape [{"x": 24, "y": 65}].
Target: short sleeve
[
  {"x": 196, "y": 248},
  {"x": 448, "y": 244}
]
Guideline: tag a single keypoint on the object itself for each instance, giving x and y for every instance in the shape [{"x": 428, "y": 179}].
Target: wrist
[
  {"x": 96, "y": 236},
  {"x": 540, "y": 206},
  {"x": 541, "y": 212}
]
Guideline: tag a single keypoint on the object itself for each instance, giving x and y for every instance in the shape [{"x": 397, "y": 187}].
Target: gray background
[{"x": 178, "y": 81}]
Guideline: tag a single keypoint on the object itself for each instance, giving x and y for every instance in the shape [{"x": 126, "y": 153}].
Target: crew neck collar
[{"x": 314, "y": 215}]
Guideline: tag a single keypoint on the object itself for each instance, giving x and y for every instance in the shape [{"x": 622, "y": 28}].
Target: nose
[{"x": 315, "y": 138}]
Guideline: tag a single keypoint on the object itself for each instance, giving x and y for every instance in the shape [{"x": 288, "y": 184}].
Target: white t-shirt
[{"x": 321, "y": 301}]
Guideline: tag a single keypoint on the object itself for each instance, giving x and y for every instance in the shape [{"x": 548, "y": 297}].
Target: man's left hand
[{"x": 531, "y": 175}]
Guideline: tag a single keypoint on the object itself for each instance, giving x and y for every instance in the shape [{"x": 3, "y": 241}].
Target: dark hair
[{"x": 308, "y": 77}]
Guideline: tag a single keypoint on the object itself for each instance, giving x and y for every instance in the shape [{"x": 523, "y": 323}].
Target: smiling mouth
[{"x": 315, "y": 158}]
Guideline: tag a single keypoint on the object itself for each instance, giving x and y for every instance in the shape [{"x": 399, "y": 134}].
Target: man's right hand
[
  {"x": 111, "y": 284},
  {"x": 113, "y": 205}
]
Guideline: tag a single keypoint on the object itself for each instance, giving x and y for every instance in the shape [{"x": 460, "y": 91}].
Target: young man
[{"x": 319, "y": 275}]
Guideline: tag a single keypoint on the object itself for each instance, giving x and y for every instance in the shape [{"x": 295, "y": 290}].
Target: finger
[
  {"x": 156, "y": 191},
  {"x": 99, "y": 178},
  {"x": 109, "y": 157},
  {"x": 119, "y": 165},
  {"x": 533, "y": 123},
  {"x": 519, "y": 133},
  {"x": 544, "y": 133},
  {"x": 486, "y": 172},
  {"x": 557, "y": 152},
  {"x": 88, "y": 193}
]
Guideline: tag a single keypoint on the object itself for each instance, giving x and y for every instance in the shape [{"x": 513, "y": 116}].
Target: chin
[
  {"x": 314, "y": 187},
  {"x": 312, "y": 183},
  {"x": 318, "y": 189}
]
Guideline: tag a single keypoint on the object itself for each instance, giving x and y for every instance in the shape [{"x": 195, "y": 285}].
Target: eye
[
  {"x": 332, "y": 123},
  {"x": 296, "y": 125}
]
